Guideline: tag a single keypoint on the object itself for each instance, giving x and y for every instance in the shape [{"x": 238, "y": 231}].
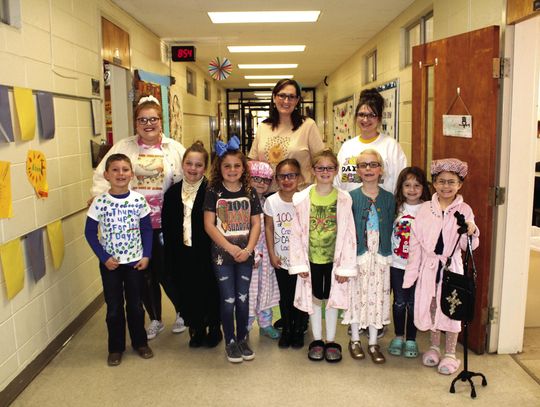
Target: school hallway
[{"x": 181, "y": 376}]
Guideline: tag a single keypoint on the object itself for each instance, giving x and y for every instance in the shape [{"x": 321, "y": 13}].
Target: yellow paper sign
[
  {"x": 13, "y": 267},
  {"x": 56, "y": 240},
  {"x": 6, "y": 209},
  {"x": 26, "y": 112},
  {"x": 36, "y": 171}
]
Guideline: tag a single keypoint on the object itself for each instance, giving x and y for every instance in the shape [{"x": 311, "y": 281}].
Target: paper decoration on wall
[
  {"x": 457, "y": 125},
  {"x": 45, "y": 108},
  {"x": 165, "y": 108},
  {"x": 176, "y": 113},
  {"x": 36, "y": 172},
  {"x": 6, "y": 208},
  {"x": 97, "y": 116},
  {"x": 6, "y": 126},
  {"x": 390, "y": 93},
  {"x": 56, "y": 241},
  {"x": 220, "y": 69},
  {"x": 26, "y": 112},
  {"x": 343, "y": 121},
  {"x": 35, "y": 253},
  {"x": 12, "y": 267}
]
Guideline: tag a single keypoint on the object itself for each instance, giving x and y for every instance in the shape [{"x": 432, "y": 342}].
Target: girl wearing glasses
[
  {"x": 263, "y": 290},
  {"x": 434, "y": 236},
  {"x": 157, "y": 164},
  {"x": 373, "y": 209},
  {"x": 287, "y": 133},
  {"x": 369, "y": 113},
  {"x": 279, "y": 213},
  {"x": 322, "y": 253}
]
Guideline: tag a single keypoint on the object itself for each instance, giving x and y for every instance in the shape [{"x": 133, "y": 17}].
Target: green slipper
[
  {"x": 411, "y": 349},
  {"x": 396, "y": 347}
]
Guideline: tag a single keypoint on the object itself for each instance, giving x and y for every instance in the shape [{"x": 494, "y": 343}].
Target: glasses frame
[
  {"x": 449, "y": 182},
  {"x": 371, "y": 164},
  {"x": 364, "y": 115},
  {"x": 284, "y": 96},
  {"x": 260, "y": 180},
  {"x": 330, "y": 168},
  {"x": 288, "y": 176},
  {"x": 145, "y": 120}
]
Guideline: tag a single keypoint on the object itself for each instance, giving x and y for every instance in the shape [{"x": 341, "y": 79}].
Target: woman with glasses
[
  {"x": 157, "y": 164},
  {"x": 369, "y": 113},
  {"x": 287, "y": 133}
]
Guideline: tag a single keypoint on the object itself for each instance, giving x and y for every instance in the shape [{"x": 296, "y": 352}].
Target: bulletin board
[{"x": 343, "y": 121}]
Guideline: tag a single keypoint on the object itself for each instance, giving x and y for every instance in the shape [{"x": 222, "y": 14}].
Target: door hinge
[
  {"x": 497, "y": 196},
  {"x": 501, "y": 68},
  {"x": 492, "y": 315}
]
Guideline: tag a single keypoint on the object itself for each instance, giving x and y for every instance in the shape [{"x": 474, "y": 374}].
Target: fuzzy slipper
[
  {"x": 332, "y": 352},
  {"x": 432, "y": 357},
  {"x": 449, "y": 365},
  {"x": 316, "y": 351},
  {"x": 411, "y": 349}
]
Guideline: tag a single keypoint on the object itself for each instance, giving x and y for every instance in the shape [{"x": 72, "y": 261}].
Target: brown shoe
[
  {"x": 114, "y": 358},
  {"x": 145, "y": 352},
  {"x": 356, "y": 351},
  {"x": 376, "y": 354}
]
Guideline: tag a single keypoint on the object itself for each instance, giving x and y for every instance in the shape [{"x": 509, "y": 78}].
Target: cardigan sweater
[{"x": 385, "y": 205}]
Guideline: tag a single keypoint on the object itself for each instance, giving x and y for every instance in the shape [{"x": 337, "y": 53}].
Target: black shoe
[
  {"x": 297, "y": 340},
  {"x": 197, "y": 337},
  {"x": 285, "y": 339},
  {"x": 214, "y": 336},
  {"x": 279, "y": 324}
]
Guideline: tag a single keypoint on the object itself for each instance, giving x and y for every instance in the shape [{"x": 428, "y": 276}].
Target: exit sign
[{"x": 183, "y": 53}]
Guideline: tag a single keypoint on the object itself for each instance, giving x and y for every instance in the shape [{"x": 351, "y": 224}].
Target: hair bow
[
  {"x": 232, "y": 145},
  {"x": 148, "y": 98}
]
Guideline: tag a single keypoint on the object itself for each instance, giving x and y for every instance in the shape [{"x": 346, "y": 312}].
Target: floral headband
[
  {"x": 148, "y": 98},
  {"x": 232, "y": 145}
]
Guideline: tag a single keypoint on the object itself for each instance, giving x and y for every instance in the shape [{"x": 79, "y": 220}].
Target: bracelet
[{"x": 247, "y": 251}]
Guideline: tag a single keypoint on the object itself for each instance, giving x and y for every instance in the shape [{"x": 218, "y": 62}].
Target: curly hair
[
  {"x": 417, "y": 174},
  {"x": 215, "y": 174}
]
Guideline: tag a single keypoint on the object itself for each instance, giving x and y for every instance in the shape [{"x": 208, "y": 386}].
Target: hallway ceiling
[{"x": 342, "y": 28}]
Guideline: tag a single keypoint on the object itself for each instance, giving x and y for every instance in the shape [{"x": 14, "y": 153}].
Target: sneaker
[
  {"x": 270, "y": 332},
  {"x": 154, "y": 329},
  {"x": 234, "y": 355},
  {"x": 245, "y": 350},
  {"x": 178, "y": 326}
]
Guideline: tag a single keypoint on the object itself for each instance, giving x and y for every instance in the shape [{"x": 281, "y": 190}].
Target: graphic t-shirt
[
  {"x": 401, "y": 235},
  {"x": 322, "y": 227},
  {"x": 119, "y": 223},
  {"x": 282, "y": 214},
  {"x": 150, "y": 175},
  {"x": 233, "y": 218}
]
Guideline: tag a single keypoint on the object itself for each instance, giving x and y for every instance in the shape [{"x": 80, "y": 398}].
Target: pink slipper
[
  {"x": 449, "y": 365},
  {"x": 431, "y": 357}
]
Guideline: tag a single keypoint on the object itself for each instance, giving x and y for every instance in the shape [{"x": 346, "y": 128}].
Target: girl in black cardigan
[{"x": 187, "y": 250}]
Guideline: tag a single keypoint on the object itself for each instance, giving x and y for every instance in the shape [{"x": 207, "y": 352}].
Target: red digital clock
[{"x": 183, "y": 53}]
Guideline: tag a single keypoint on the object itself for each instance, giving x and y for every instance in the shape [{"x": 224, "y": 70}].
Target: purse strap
[{"x": 469, "y": 258}]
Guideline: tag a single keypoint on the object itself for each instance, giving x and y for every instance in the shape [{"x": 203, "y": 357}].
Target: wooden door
[{"x": 466, "y": 62}]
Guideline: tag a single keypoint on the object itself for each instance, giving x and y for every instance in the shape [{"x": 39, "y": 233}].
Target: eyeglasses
[
  {"x": 372, "y": 164},
  {"x": 323, "y": 169},
  {"x": 290, "y": 175},
  {"x": 146, "y": 120},
  {"x": 266, "y": 181},
  {"x": 449, "y": 182},
  {"x": 362, "y": 115},
  {"x": 283, "y": 96}
]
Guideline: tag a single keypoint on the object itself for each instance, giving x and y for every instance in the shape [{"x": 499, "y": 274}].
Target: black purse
[{"x": 458, "y": 291}]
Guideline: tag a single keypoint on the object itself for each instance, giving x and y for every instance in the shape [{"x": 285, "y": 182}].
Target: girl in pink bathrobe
[{"x": 434, "y": 235}]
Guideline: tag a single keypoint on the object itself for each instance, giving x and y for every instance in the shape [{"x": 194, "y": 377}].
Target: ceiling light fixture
[
  {"x": 268, "y": 85},
  {"x": 231, "y": 17},
  {"x": 266, "y": 48},
  {"x": 268, "y": 76},
  {"x": 267, "y": 66},
  {"x": 262, "y": 94}
]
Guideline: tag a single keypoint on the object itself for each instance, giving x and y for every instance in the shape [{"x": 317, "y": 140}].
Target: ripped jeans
[{"x": 233, "y": 282}]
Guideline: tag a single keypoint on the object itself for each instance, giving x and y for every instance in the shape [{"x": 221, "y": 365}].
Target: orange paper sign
[{"x": 36, "y": 171}]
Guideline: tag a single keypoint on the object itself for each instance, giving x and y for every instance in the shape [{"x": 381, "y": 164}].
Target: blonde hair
[
  {"x": 376, "y": 154},
  {"x": 324, "y": 153}
]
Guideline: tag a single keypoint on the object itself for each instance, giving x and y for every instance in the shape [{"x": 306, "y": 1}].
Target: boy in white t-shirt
[{"x": 123, "y": 249}]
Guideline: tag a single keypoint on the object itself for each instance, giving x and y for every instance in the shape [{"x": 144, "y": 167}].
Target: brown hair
[
  {"x": 149, "y": 104},
  {"x": 197, "y": 147},
  {"x": 215, "y": 175},
  {"x": 296, "y": 117},
  {"x": 372, "y": 99},
  {"x": 420, "y": 176},
  {"x": 117, "y": 157},
  {"x": 324, "y": 153},
  {"x": 293, "y": 162}
]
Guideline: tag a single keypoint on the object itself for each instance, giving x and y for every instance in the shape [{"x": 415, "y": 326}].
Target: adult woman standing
[
  {"x": 157, "y": 163},
  {"x": 286, "y": 133},
  {"x": 369, "y": 112}
]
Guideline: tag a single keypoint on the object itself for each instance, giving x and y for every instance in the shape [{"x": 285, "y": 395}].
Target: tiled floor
[{"x": 529, "y": 359}]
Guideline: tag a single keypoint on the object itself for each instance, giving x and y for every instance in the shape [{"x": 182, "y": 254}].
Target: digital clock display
[{"x": 183, "y": 53}]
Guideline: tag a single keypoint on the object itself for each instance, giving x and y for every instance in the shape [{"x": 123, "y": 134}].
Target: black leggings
[
  {"x": 293, "y": 318},
  {"x": 321, "y": 280}
]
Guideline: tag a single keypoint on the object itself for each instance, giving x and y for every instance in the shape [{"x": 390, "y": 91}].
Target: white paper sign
[{"x": 457, "y": 125}]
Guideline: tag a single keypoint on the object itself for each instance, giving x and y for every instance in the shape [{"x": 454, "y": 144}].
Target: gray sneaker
[
  {"x": 234, "y": 355},
  {"x": 245, "y": 350}
]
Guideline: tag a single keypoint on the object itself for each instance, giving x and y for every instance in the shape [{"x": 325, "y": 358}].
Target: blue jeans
[
  {"x": 403, "y": 307},
  {"x": 128, "y": 282},
  {"x": 233, "y": 283}
]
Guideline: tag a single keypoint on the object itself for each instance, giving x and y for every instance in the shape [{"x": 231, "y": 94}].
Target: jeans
[
  {"x": 403, "y": 307},
  {"x": 233, "y": 283},
  {"x": 128, "y": 282}
]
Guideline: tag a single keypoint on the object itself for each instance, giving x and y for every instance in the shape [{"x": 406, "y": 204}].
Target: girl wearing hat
[{"x": 434, "y": 235}]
